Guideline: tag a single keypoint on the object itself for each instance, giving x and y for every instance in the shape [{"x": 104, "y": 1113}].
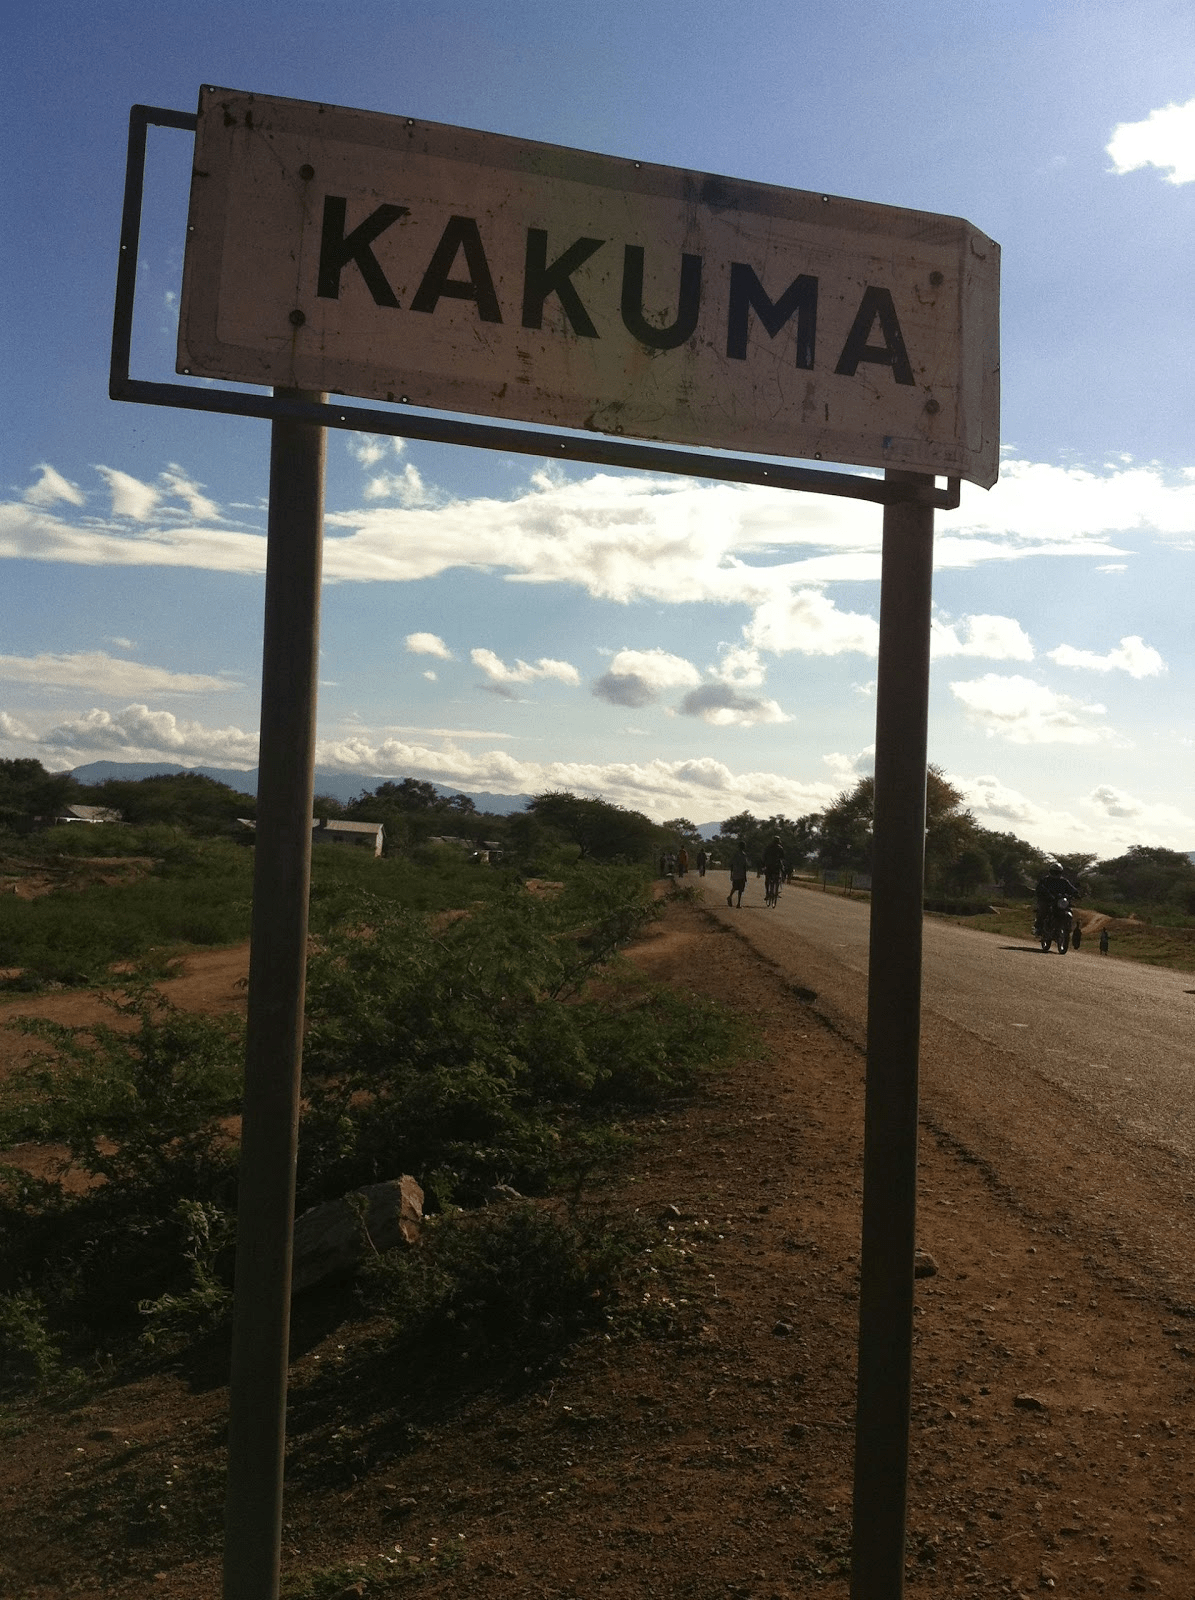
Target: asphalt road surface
[{"x": 1070, "y": 1077}]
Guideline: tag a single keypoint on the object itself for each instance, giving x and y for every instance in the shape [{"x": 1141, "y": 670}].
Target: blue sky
[{"x": 492, "y": 622}]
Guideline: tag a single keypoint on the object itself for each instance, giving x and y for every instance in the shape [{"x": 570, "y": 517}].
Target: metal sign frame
[
  {"x": 257, "y": 1404},
  {"x": 602, "y": 450}
]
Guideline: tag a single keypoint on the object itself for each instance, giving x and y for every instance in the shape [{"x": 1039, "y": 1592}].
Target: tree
[
  {"x": 188, "y": 800},
  {"x": 1147, "y": 875},
  {"x": 601, "y": 831},
  {"x": 27, "y": 790},
  {"x": 681, "y": 831}
]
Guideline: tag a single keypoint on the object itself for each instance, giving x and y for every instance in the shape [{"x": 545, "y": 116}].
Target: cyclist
[{"x": 773, "y": 868}]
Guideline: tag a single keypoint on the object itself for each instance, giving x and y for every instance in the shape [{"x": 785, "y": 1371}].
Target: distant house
[
  {"x": 90, "y": 814},
  {"x": 362, "y": 835},
  {"x": 452, "y": 840}
]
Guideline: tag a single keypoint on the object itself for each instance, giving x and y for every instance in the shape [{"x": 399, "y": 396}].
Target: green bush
[{"x": 522, "y": 1277}]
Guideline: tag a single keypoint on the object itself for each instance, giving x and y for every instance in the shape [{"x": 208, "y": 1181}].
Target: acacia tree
[{"x": 601, "y": 831}]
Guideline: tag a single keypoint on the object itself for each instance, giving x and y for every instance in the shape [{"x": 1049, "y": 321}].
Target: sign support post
[
  {"x": 277, "y": 983},
  {"x": 893, "y": 1042}
]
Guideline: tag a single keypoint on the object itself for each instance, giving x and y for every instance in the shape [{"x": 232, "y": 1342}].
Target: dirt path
[
  {"x": 208, "y": 981},
  {"x": 1052, "y": 1439}
]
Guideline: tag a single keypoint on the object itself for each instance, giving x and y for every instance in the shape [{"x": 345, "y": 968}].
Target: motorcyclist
[{"x": 1050, "y": 889}]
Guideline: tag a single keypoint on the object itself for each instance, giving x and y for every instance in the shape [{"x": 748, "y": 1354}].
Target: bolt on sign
[{"x": 408, "y": 261}]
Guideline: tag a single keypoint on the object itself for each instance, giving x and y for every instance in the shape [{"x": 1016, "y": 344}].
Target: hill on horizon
[{"x": 342, "y": 786}]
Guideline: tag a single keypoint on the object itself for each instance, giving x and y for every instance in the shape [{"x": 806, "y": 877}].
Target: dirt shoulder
[{"x": 1052, "y": 1444}]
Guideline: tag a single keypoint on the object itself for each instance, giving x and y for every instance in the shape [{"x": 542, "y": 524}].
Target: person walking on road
[
  {"x": 738, "y": 874},
  {"x": 1103, "y": 941},
  {"x": 701, "y": 860},
  {"x": 682, "y": 862}
]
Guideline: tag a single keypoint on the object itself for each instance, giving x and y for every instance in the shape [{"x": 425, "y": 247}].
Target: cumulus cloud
[
  {"x": 1140, "y": 821},
  {"x": 996, "y": 638},
  {"x": 1165, "y": 139},
  {"x": 634, "y": 537},
  {"x": 639, "y": 677},
  {"x": 367, "y": 448},
  {"x": 999, "y": 807},
  {"x": 428, "y": 644},
  {"x": 810, "y": 622},
  {"x": 407, "y": 487},
  {"x": 502, "y": 679},
  {"x": 138, "y": 734},
  {"x": 51, "y": 488},
  {"x": 740, "y": 666},
  {"x": 1132, "y": 655},
  {"x": 722, "y": 706},
  {"x": 104, "y": 674},
  {"x": 847, "y": 770},
  {"x": 1024, "y": 712}
]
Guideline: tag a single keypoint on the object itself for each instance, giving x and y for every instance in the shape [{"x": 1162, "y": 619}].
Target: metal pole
[
  {"x": 893, "y": 1039},
  {"x": 277, "y": 980}
]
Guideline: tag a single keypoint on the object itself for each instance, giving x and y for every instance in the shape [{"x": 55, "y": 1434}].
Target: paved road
[{"x": 1069, "y": 1075}]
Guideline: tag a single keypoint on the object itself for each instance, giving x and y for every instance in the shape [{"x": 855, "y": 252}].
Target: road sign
[{"x": 413, "y": 262}]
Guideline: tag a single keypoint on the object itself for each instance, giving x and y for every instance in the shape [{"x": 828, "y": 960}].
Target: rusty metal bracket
[{"x": 601, "y": 449}]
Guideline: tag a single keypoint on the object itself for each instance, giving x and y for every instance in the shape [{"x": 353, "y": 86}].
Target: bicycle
[{"x": 771, "y": 889}]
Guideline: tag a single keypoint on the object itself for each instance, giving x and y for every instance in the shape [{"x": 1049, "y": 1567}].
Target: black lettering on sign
[
  {"x": 460, "y": 234},
  {"x": 336, "y": 251},
  {"x": 748, "y": 294},
  {"x": 540, "y": 280},
  {"x": 876, "y": 304},
  {"x": 632, "y": 301}
]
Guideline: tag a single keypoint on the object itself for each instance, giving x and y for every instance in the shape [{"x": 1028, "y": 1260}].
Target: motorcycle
[{"x": 1059, "y": 926}]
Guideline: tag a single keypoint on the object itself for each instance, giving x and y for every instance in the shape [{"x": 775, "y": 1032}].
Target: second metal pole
[
  {"x": 893, "y": 1042},
  {"x": 277, "y": 984}
]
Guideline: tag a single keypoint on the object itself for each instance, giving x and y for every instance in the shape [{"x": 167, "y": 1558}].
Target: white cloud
[
  {"x": 810, "y": 622},
  {"x": 996, "y": 638},
  {"x": 1133, "y": 821},
  {"x": 130, "y": 497},
  {"x": 1165, "y": 139},
  {"x": 639, "y": 677},
  {"x": 367, "y": 448},
  {"x": 1023, "y": 712},
  {"x": 1000, "y": 808},
  {"x": 138, "y": 734},
  {"x": 176, "y": 485},
  {"x": 428, "y": 644},
  {"x": 847, "y": 770},
  {"x": 104, "y": 674},
  {"x": 17, "y": 732},
  {"x": 430, "y": 676},
  {"x": 407, "y": 487},
  {"x": 722, "y": 706},
  {"x": 740, "y": 666},
  {"x": 1132, "y": 655},
  {"x": 627, "y": 537},
  {"x": 500, "y": 674},
  {"x": 51, "y": 488}
]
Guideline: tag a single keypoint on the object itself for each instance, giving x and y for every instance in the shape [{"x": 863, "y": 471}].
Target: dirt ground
[{"x": 1052, "y": 1424}]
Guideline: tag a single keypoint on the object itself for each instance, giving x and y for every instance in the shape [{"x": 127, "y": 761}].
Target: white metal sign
[{"x": 409, "y": 261}]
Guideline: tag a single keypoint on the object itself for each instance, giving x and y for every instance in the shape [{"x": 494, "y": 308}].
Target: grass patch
[{"x": 1130, "y": 940}]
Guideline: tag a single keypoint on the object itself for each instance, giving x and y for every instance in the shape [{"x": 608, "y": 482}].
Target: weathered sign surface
[{"x": 409, "y": 261}]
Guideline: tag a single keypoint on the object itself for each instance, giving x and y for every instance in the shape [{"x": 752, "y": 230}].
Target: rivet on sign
[
  {"x": 297, "y": 319},
  {"x": 825, "y": 199},
  {"x": 932, "y": 406},
  {"x": 403, "y": 399},
  {"x": 936, "y": 279},
  {"x": 306, "y": 170}
]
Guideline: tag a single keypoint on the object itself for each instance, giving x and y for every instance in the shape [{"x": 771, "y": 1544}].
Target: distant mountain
[{"x": 342, "y": 786}]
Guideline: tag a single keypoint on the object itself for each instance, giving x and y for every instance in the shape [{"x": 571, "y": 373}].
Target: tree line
[{"x": 962, "y": 858}]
